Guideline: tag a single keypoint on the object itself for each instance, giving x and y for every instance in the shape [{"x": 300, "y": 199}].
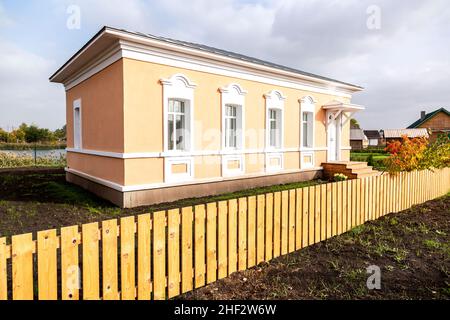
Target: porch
[{"x": 352, "y": 169}]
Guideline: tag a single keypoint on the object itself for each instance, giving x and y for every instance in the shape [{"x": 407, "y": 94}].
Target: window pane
[
  {"x": 305, "y": 116},
  {"x": 180, "y": 136},
  {"x": 305, "y": 134},
  {"x": 170, "y": 132}
]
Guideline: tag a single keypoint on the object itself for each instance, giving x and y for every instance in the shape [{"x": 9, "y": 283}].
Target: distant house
[
  {"x": 397, "y": 134},
  {"x": 375, "y": 138},
  {"x": 358, "y": 139},
  {"x": 437, "y": 122}
]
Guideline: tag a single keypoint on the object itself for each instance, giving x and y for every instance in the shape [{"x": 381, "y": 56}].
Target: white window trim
[
  {"x": 77, "y": 105},
  {"x": 235, "y": 95},
  {"x": 179, "y": 87},
  {"x": 308, "y": 104},
  {"x": 274, "y": 100},
  {"x": 304, "y": 165},
  {"x": 279, "y": 156},
  {"x": 233, "y": 172},
  {"x": 178, "y": 177}
]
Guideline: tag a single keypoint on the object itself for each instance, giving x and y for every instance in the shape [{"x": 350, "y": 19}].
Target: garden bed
[{"x": 411, "y": 248}]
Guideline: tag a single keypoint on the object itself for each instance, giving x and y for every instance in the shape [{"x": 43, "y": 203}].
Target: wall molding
[
  {"x": 143, "y": 155},
  {"x": 149, "y": 186},
  {"x": 127, "y": 49}
]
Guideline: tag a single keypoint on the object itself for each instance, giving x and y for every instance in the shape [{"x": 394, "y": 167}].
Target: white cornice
[{"x": 166, "y": 54}]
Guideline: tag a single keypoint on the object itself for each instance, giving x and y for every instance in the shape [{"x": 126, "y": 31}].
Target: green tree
[
  {"x": 354, "y": 124},
  {"x": 3, "y": 135}
]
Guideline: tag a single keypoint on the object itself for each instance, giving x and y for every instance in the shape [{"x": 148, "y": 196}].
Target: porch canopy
[{"x": 337, "y": 108}]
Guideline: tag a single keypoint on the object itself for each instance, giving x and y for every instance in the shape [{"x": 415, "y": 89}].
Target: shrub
[
  {"x": 340, "y": 177},
  {"x": 416, "y": 154}
]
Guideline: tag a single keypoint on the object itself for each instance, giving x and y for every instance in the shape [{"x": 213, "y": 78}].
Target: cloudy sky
[{"x": 402, "y": 59}]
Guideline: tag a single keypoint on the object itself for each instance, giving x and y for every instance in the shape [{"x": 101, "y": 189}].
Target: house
[
  {"x": 437, "y": 122},
  {"x": 397, "y": 134},
  {"x": 358, "y": 139},
  {"x": 375, "y": 138},
  {"x": 151, "y": 119}
]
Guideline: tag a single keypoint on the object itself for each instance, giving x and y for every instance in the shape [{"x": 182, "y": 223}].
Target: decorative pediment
[
  {"x": 275, "y": 95},
  {"x": 180, "y": 80},
  {"x": 233, "y": 88}
]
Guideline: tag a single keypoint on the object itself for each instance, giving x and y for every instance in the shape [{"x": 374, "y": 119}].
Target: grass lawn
[
  {"x": 378, "y": 158},
  {"x": 33, "y": 202},
  {"x": 411, "y": 248}
]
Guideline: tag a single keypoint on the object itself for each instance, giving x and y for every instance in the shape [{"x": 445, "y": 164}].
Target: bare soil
[{"x": 412, "y": 249}]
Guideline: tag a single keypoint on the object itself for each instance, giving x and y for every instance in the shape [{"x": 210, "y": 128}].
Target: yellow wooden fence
[{"x": 166, "y": 253}]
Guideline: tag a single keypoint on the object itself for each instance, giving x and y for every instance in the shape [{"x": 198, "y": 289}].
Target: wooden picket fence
[{"x": 163, "y": 254}]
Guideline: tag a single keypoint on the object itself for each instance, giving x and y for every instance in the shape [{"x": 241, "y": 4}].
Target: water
[{"x": 52, "y": 153}]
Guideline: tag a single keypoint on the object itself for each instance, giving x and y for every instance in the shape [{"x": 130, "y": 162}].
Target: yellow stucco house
[{"x": 152, "y": 119}]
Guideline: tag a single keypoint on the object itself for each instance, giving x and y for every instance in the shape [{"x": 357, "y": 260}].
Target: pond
[{"x": 51, "y": 153}]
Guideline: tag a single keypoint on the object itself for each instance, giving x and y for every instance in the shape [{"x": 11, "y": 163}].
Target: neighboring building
[
  {"x": 437, "y": 122},
  {"x": 152, "y": 119},
  {"x": 358, "y": 139},
  {"x": 397, "y": 134},
  {"x": 375, "y": 138}
]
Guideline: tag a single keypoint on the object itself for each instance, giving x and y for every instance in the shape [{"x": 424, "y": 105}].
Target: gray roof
[
  {"x": 213, "y": 50},
  {"x": 357, "y": 134}
]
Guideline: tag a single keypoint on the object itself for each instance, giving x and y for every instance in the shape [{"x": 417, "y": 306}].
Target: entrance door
[{"x": 333, "y": 137}]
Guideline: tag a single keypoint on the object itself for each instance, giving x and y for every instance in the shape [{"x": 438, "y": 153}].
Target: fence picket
[
  {"x": 109, "y": 260},
  {"x": 298, "y": 218},
  {"x": 70, "y": 270},
  {"x": 91, "y": 286},
  {"x": 277, "y": 225},
  {"x": 173, "y": 253},
  {"x": 260, "y": 212},
  {"x": 242, "y": 233},
  {"x": 284, "y": 221},
  {"x": 292, "y": 207},
  {"x": 269, "y": 226},
  {"x": 127, "y": 258},
  {"x": 47, "y": 244},
  {"x": 22, "y": 267},
  {"x": 251, "y": 242},
  {"x": 222, "y": 271},
  {"x": 211, "y": 245},
  {"x": 199, "y": 252},
  {"x": 232, "y": 236},
  {"x": 305, "y": 220},
  {"x": 159, "y": 255},
  {"x": 317, "y": 213},
  {"x": 3, "y": 271},
  {"x": 187, "y": 219},
  {"x": 144, "y": 227}
]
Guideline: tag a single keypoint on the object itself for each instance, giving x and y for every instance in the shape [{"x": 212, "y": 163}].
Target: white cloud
[{"x": 26, "y": 94}]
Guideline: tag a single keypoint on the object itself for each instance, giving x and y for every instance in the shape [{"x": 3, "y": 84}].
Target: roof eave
[{"x": 126, "y": 35}]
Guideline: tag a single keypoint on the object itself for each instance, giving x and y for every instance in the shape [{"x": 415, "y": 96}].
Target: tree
[
  {"x": 3, "y": 135},
  {"x": 60, "y": 134},
  {"x": 354, "y": 124}
]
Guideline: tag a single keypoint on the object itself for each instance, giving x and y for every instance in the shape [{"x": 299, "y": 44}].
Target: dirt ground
[{"x": 411, "y": 248}]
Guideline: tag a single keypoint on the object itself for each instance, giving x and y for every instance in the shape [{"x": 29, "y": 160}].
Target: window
[
  {"x": 231, "y": 126},
  {"x": 176, "y": 125},
  {"x": 178, "y": 105},
  {"x": 274, "y": 128},
  {"x": 233, "y": 100},
  {"x": 274, "y": 119},
  {"x": 77, "y": 124},
  {"x": 307, "y": 122}
]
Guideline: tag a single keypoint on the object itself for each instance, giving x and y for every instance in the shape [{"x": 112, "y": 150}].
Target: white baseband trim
[
  {"x": 149, "y": 186},
  {"x": 143, "y": 155}
]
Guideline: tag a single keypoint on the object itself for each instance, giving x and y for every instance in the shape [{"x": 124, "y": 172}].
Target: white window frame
[
  {"x": 274, "y": 101},
  {"x": 274, "y": 155},
  {"x": 308, "y": 104},
  {"x": 233, "y": 172},
  {"x": 179, "y": 87},
  {"x": 77, "y": 142},
  {"x": 303, "y": 164},
  {"x": 233, "y": 94},
  {"x": 169, "y": 176}
]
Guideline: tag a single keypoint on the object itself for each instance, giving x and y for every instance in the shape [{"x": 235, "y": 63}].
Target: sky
[{"x": 397, "y": 50}]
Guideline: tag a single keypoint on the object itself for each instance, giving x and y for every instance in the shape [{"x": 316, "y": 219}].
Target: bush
[
  {"x": 340, "y": 177},
  {"x": 416, "y": 154}
]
